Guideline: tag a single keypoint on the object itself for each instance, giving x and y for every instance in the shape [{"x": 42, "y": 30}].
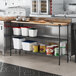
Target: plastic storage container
[
  {"x": 17, "y": 30},
  {"x": 35, "y": 48},
  {"x": 17, "y": 42},
  {"x": 56, "y": 51},
  {"x": 25, "y": 31},
  {"x": 42, "y": 48},
  {"x": 33, "y": 32},
  {"x": 49, "y": 50},
  {"x": 63, "y": 47},
  {"x": 28, "y": 45}
]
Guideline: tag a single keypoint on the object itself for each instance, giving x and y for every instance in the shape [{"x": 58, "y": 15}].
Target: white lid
[{"x": 42, "y": 44}]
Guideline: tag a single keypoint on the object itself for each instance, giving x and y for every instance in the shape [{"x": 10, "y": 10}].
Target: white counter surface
[{"x": 72, "y": 16}]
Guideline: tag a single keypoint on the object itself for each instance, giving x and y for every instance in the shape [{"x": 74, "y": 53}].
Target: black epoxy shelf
[
  {"x": 37, "y": 53},
  {"x": 41, "y": 37},
  {"x": 54, "y": 38},
  {"x": 42, "y": 54}
]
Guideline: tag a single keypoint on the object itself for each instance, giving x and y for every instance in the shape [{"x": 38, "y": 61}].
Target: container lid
[
  {"x": 62, "y": 47},
  {"x": 42, "y": 44},
  {"x": 25, "y": 27},
  {"x": 35, "y": 45},
  {"x": 29, "y": 41},
  {"x": 54, "y": 45},
  {"x": 18, "y": 37},
  {"x": 33, "y": 29},
  {"x": 16, "y": 27},
  {"x": 50, "y": 46}
]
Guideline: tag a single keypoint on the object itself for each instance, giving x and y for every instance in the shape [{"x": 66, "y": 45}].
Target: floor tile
[{"x": 13, "y": 70}]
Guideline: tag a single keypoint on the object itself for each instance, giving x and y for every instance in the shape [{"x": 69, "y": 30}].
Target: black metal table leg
[
  {"x": 75, "y": 58},
  {"x": 10, "y": 41},
  {"x": 59, "y": 45},
  {"x": 70, "y": 27},
  {"x": 67, "y": 44},
  {"x": 15, "y": 51},
  {"x": 19, "y": 52}
]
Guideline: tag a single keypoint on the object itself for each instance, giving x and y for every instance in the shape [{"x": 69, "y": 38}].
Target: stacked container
[
  {"x": 42, "y": 48},
  {"x": 63, "y": 47},
  {"x": 17, "y": 30},
  {"x": 28, "y": 45},
  {"x": 25, "y": 31},
  {"x": 50, "y": 49},
  {"x": 17, "y": 42},
  {"x": 35, "y": 48},
  {"x": 33, "y": 32}
]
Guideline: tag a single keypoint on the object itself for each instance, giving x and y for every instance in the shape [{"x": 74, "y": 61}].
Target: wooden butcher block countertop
[
  {"x": 47, "y": 21},
  {"x": 53, "y": 19},
  {"x": 7, "y": 18}
]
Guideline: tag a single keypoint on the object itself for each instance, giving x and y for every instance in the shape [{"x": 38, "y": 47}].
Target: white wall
[
  {"x": 72, "y": 1},
  {"x": 24, "y": 3},
  {"x": 68, "y": 2},
  {"x": 2, "y": 4},
  {"x": 19, "y": 2},
  {"x": 10, "y": 3}
]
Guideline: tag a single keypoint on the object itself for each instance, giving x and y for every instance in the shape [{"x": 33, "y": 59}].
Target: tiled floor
[
  {"x": 42, "y": 63},
  {"x": 12, "y": 70}
]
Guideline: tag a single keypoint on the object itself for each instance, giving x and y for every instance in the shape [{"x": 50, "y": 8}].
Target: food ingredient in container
[
  {"x": 35, "y": 48},
  {"x": 51, "y": 43},
  {"x": 54, "y": 46},
  {"x": 42, "y": 48},
  {"x": 28, "y": 45},
  {"x": 17, "y": 30},
  {"x": 50, "y": 50},
  {"x": 17, "y": 42},
  {"x": 63, "y": 50},
  {"x": 63, "y": 46},
  {"x": 33, "y": 32},
  {"x": 25, "y": 31},
  {"x": 56, "y": 51}
]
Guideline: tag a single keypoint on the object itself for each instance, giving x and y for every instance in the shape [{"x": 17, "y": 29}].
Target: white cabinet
[
  {"x": 43, "y": 6},
  {"x": 39, "y": 7},
  {"x": 34, "y": 7}
]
